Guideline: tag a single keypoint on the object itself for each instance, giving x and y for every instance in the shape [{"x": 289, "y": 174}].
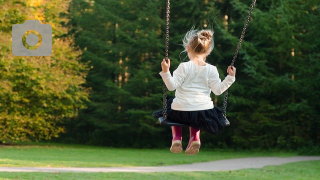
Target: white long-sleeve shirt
[{"x": 193, "y": 85}]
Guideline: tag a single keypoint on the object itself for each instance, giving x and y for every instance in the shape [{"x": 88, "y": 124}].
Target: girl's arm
[
  {"x": 215, "y": 84},
  {"x": 179, "y": 75}
]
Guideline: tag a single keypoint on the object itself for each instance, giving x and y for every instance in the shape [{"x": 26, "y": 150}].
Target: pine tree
[
  {"x": 272, "y": 106},
  {"x": 123, "y": 48}
]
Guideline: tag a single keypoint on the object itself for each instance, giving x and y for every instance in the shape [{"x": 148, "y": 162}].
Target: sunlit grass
[
  {"x": 309, "y": 170},
  {"x": 59, "y": 155}
]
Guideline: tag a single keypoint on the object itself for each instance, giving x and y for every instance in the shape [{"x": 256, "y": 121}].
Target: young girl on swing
[{"x": 193, "y": 81}]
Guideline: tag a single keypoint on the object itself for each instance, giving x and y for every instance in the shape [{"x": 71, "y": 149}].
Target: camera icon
[{"x": 32, "y": 39}]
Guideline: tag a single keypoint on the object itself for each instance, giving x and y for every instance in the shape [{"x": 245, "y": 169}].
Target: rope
[
  {"x": 166, "y": 58},
  {"x": 224, "y": 108}
]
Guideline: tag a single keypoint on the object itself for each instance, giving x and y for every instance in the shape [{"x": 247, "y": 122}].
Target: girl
[{"x": 193, "y": 81}]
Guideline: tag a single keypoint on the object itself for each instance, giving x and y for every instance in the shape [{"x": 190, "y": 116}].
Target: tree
[
  {"x": 122, "y": 45},
  {"x": 38, "y": 93},
  {"x": 270, "y": 105},
  {"x": 273, "y": 105}
]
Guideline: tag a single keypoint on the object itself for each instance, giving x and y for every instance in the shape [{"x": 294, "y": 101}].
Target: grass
[
  {"x": 309, "y": 170},
  {"x": 58, "y": 155}
]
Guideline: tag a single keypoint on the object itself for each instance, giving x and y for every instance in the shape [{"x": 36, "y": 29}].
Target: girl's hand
[
  {"x": 165, "y": 65},
  {"x": 231, "y": 71}
]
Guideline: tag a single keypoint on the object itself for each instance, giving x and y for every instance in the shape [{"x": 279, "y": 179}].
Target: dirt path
[{"x": 221, "y": 165}]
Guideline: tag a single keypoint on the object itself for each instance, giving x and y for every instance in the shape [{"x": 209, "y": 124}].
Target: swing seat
[
  {"x": 170, "y": 123},
  {"x": 158, "y": 115}
]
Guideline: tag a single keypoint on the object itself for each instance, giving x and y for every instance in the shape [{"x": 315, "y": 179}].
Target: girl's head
[{"x": 198, "y": 42}]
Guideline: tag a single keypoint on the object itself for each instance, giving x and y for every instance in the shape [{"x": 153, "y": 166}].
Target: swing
[{"x": 163, "y": 119}]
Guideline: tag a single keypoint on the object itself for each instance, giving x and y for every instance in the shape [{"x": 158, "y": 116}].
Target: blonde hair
[{"x": 199, "y": 41}]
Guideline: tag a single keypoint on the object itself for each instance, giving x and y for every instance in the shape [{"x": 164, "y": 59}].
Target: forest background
[{"x": 102, "y": 83}]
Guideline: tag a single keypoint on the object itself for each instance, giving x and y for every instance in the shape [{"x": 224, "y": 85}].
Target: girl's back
[
  {"x": 193, "y": 81},
  {"x": 193, "y": 93}
]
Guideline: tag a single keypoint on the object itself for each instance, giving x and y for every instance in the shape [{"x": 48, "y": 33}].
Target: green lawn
[
  {"x": 309, "y": 170},
  {"x": 50, "y": 155}
]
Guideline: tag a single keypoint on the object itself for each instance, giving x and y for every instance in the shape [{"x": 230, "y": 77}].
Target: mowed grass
[
  {"x": 308, "y": 170},
  {"x": 59, "y": 155}
]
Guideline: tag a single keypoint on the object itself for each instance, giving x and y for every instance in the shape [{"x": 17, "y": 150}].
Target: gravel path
[{"x": 221, "y": 165}]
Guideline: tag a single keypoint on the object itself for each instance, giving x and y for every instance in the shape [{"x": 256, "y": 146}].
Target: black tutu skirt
[{"x": 210, "y": 120}]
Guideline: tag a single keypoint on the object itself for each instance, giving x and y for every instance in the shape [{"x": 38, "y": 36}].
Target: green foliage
[
  {"x": 282, "y": 111},
  {"x": 123, "y": 46},
  {"x": 37, "y": 93},
  {"x": 273, "y": 103},
  {"x": 311, "y": 150}
]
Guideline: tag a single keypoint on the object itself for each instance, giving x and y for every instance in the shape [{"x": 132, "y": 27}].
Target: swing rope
[
  {"x": 166, "y": 58},
  {"x": 224, "y": 109},
  {"x": 225, "y": 102}
]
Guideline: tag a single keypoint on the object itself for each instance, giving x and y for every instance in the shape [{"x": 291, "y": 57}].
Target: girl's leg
[
  {"x": 194, "y": 141},
  {"x": 176, "y": 146}
]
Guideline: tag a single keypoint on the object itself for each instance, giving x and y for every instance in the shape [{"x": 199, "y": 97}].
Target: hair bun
[
  {"x": 205, "y": 35},
  {"x": 199, "y": 41}
]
